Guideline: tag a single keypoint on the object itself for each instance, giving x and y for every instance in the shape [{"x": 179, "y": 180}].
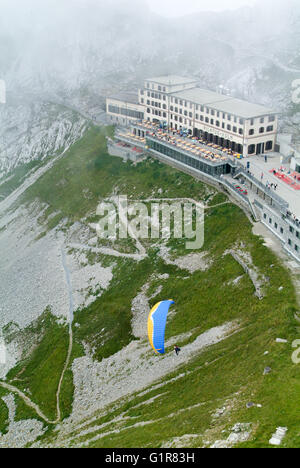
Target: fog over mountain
[
  {"x": 75, "y": 52},
  {"x": 99, "y": 224}
]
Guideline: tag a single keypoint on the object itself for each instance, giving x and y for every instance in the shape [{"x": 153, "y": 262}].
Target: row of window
[
  {"x": 262, "y": 120},
  {"x": 181, "y": 120},
  {"x": 159, "y": 87},
  {"x": 201, "y": 118},
  {"x": 212, "y": 112},
  {"x": 216, "y": 123},
  {"x": 182, "y": 103},
  {"x": 207, "y": 110},
  {"x": 189, "y": 161},
  {"x": 204, "y": 109},
  {"x": 189, "y": 115},
  {"x": 126, "y": 112},
  {"x": 156, "y": 112},
  {"x": 180, "y": 111},
  {"x": 156, "y": 96},
  {"x": 155, "y": 104},
  {"x": 267, "y": 147},
  {"x": 228, "y": 127},
  {"x": 270, "y": 128},
  {"x": 291, "y": 229}
]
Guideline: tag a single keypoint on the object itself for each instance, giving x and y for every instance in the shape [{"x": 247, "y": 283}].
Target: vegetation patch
[{"x": 229, "y": 374}]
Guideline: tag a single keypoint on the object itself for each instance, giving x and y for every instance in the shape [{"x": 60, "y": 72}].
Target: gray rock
[
  {"x": 267, "y": 370},
  {"x": 278, "y": 436}
]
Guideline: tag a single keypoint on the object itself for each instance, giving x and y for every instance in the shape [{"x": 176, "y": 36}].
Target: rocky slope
[
  {"x": 79, "y": 310},
  {"x": 36, "y": 130},
  {"x": 74, "y": 318}
]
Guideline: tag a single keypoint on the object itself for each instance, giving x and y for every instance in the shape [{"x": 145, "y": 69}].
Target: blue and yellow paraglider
[{"x": 157, "y": 324}]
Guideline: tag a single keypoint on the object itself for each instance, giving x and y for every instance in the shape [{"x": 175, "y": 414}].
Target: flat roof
[
  {"x": 171, "y": 80},
  {"x": 130, "y": 97},
  {"x": 223, "y": 103}
]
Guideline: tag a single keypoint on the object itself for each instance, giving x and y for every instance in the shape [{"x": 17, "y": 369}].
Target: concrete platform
[{"x": 258, "y": 166}]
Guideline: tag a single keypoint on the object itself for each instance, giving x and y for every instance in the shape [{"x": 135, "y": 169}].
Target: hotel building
[{"x": 179, "y": 103}]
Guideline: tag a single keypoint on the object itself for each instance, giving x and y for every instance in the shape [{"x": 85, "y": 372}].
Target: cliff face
[{"x": 34, "y": 131}]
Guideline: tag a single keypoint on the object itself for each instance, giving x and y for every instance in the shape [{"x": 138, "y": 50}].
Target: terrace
[
  {"x": 130, "y": 138},
  {"x": 290, "y": 178},
  {"x": 191, "y": 144},
  {"x": 188, "y": 148}
]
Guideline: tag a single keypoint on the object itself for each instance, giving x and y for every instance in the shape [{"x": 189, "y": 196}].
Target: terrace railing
[
  {"x": 119, "y": 136},
  {"x": 185, "y": 152},
  {"x": 234, "y": 189},
  {"x": 280, "y": 201}
]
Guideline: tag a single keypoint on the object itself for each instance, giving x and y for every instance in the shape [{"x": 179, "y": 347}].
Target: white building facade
[
  {"x": 178, "y": 103},
  {"x": 124, "y": 109}
]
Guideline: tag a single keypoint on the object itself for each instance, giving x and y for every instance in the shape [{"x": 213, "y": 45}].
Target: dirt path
[
  {"x": 71, "y": 316},
  {"x": 22, "y": 395},
  {"x": 142, "y": 253},
  {"x": 27, "y": 401}
]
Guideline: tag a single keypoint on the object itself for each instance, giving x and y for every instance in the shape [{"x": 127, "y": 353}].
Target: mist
[
  {"x": 172, "y": 9},
  {"x": 92, "y": 125},
  {"x": 76, "y": 52},
  {"x": 77, "y": 43}
]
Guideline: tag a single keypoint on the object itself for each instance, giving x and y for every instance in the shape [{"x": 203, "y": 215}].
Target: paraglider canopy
[{"x": 157, "y": 324}]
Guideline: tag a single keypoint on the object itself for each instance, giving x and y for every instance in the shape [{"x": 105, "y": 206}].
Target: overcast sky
[{"x": 173, "y": 8}]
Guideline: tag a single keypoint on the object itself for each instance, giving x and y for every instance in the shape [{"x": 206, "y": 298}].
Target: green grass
[
  {"x": 3, "y": 413},
  {"x": 231, "y": 370},
  {"x": 235, "y": 374},
  {"x": 16, "y": 177},
  {"x": 73, "y": 188},
  {"x": 112, "y": 311},
  {"x": 204, "y": 300},
  {"x": 39, "y": 373}
]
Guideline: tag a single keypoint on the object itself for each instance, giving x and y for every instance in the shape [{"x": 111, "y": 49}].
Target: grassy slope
[
  {"x": 87, "y": 167},
  {"x": 40, "y": 371},
  {"x": 202, "y": 301},
  {"x": 236, "y": 365},
  {"x": 16, "y": 177},
  {"x": 72, "y": 189}
]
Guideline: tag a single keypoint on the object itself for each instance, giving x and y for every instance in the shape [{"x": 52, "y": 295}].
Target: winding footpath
[
  {"x": 5, "y": 205},
  {"x": 22, "y": 395},
  {"x": 71, "y": 317}
]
